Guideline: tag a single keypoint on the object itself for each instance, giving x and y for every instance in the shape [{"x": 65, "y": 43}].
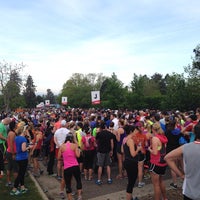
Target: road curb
[{"x": 43, "y": 195}]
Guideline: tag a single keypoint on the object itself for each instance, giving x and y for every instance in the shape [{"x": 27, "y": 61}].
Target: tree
[
  {"x": 175, "y": 91},
  {"x": 50, "y": 96},
  {"x": 113, "y": 93},
  {"x": 78, "y": 88},
  {"x": 196, "y": 60},
  {"x": 10, "y": 83},
  {"x": 29, "y": 92},
  {"x": 12, "y": 91}
]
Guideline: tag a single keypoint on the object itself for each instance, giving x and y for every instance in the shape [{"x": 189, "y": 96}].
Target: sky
[{"x": 56, "y": 38}]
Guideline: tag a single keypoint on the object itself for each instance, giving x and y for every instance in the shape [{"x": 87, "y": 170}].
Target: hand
[
  {"x": 182, "y": 176},
  {"x": 139, "y": 147}
]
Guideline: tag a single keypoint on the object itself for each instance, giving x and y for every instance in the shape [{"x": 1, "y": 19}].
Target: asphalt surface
[{"x": 50, "y": 187}]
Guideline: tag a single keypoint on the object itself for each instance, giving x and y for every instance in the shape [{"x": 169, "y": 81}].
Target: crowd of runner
[{"x": 79, "y": 142}]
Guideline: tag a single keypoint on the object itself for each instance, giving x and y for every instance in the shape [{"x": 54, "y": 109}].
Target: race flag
[
  {"x": 64, "y": 100},
  {"x": 95, "y": 97},
  {"x": 47, "y": 102}
]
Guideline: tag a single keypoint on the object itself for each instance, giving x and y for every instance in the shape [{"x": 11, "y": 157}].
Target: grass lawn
[{"x": 32, "y": 193}]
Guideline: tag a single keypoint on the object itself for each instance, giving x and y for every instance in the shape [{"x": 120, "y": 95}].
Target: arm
[
  {"x": 77, "y": 150},
  {"x": 118, "y": 133},
  {"x": 131, "y": 145},
  {"x": 171, "y": 158},
  {"x": 60, "y": 153},
  {"x": 154, "y": 146},
  {"x": 2, "y": 137},
  {"x": 24, "y": 147},
  {"x": 12, "y": 138},
  {"x": 55, "y": 140},
  {"x": 112, "y": 146}
]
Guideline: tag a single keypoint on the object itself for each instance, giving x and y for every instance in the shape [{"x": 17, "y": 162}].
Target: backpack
[{"x": 88, "y": 141}]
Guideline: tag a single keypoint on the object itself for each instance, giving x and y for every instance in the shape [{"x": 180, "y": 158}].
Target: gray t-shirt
[{"x": 191, "y": 160}]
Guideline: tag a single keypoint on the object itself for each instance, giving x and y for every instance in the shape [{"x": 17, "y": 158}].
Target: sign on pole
[
  {"x": 64, "y": 100},
  {"x": 47, "y": 102},
  {"x": 95, "y": 95}
]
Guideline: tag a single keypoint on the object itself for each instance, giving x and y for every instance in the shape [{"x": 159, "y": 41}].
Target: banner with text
[
  {"x": 47, "y": 102},
  {"x": 95, "y": 97},
  {"x": 64, "y": 100}
]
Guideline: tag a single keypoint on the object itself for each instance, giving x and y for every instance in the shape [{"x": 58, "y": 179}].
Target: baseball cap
[{"x": 63, "y": 122}]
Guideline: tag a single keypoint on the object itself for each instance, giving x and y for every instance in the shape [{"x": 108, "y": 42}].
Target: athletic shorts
[
  {"x": 103, "y": 159},
  {"x": 36, "y": 153},
  {"x": 118, "y": 149},
  {"x": 160, "y": 170},
  {"x": 12, "y": 164},
  {"x": 141, "y": 157}
]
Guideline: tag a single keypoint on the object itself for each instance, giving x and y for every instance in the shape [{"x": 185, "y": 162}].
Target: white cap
[{"x": 63, "y": 122}]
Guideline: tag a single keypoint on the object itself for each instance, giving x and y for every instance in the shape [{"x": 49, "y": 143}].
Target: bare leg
[
  {"x": 163, "y": 188},
  {"x": 99, "y": 172},
  {"x": 156, "y": 185},
  {"x": 108, "y": 172},
  {"x": 140, "y": 171},
  {"x": 128, "y": 196}
]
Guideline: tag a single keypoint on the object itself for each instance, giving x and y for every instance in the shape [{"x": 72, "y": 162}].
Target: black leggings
[
  {"x": 132, "y": 174},
  {"x": 2, "y": 153},
  {"x": 186, "y": 198},
  {"x": 22, "y": 164},
  {"x": 68, "y": 173}
]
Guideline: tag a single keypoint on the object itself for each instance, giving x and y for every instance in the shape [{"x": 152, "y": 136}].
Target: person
[
  {"x": 157, "y": 164},
  {"x": 190, "y": 153},
  {"x": 51, "y": 151},
  {"x": 69, "y": 152},
  {"x": 173, "y": 135},
  {"x": 10, "y": 153},
  {"x": 79, "y": 134},
  {"x": 89, "y": 149},
  {"x": 115, "y": 120},
  {"x": 120, "y": 135},
  {"x": 130, "y": 151},
  {"x": 35, "y": 152},
  {"x": 3, "y": 138},
  {"x": 140, "y": 139},
  {"x": 105, "y": 145},
  {"x": 59, "y": 138},
  {"x": 21, "y": 158}
]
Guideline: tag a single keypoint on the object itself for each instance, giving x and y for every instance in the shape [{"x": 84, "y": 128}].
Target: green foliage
[
  {"x": 113, "y": 93},
  {"x": 32, "y": 193},
  {"x": 50, "y": 96},
  {"x": 196, "y": 60},
  {"x": 173, "y": 91},
  {"x": 78, "y": 89},
  {"x": 29, "y": 93}
]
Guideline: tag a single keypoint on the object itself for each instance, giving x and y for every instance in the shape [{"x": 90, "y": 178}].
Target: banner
[
  {"x": 40, "y": 105},
  {"x": 64, "y": 101},
  {"x": 47, "y": 102},
  {"x": 95, "y": 95}
]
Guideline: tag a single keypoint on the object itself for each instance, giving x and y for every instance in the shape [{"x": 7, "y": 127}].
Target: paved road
[{"x": 115, "y": 191}]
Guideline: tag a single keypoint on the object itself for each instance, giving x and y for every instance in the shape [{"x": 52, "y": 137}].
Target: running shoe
[
  {"x": 9, "y": 184},
  {"x": 141, "y": 184},
  {"x": 79, "y": 198},
  {"x": 62, "y": 195},
  {"x": 24, "y": 190},
  {"x": 98, "y": 182},
  {"x": 15, "y": 192},
  {"x": 109, "y": 181},
  {"x": 174, "y": 186}
]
